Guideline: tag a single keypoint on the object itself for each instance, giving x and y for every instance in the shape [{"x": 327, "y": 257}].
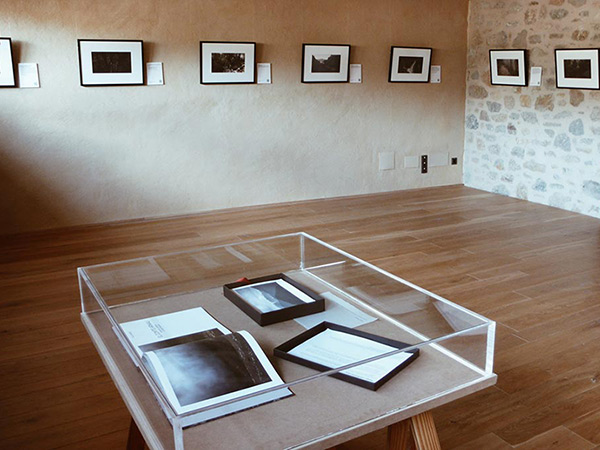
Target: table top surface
[{"x": 454, "y": 343}]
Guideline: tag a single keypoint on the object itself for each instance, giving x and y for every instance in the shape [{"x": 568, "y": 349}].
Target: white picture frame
[
  {"x": 227, "y": 62},
  {"x": 323, "y": 63},
  {"x": 7, "y": 65},
  {"x": 410, "y": 64},
  {"x": 508, "y": 67},
  {"x": 577, "y": 68},
  {"x": 111, "y": 62}
]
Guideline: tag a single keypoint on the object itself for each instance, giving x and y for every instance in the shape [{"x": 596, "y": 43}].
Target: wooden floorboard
[{"x": 532, "y": 268}]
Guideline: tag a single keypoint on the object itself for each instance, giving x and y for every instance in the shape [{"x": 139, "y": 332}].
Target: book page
[{"x": 334, "y": 349}]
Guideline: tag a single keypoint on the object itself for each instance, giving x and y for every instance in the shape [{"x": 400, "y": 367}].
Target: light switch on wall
[
  {"x": 438, "y": 159},
  {"x": 411, "y": 162},
  {"x": 386, "y": 160}
]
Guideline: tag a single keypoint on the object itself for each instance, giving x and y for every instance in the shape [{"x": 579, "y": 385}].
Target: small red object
[{"x": 242, "y": 280}]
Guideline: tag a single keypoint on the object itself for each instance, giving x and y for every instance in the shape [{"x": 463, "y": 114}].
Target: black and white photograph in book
[
  {"x": 410, "y": 65},
  {"x": 227, "y": 62},
  {"x": 508, "y": 67},
  {"x": 208, "y": 368},
  {"x": 325, "y": 63},
  {"x": 577, "y": 68},
  {"x": 110, "y": 63},
  {"x": 7, "y": 67}
]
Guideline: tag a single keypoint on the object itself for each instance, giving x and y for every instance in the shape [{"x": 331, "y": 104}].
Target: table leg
[
  {"x": 135, "y": 441},
  {"x": 423, "y": 432}
]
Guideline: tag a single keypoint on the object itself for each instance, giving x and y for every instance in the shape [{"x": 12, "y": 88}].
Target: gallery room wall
[
  {"x": 537, "y": 143},
  {"x": 74, "y": 155}
]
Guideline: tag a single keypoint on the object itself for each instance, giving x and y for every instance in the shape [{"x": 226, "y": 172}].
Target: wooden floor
[{"x": 534, "y": 269}]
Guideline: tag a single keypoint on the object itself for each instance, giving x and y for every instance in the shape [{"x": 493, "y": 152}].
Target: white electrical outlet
[
  {"x": 411, "y": 162},
  {"x": 386, "y": 160}
]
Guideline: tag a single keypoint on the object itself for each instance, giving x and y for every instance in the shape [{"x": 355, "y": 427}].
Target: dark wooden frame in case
[
  {"x": 253, "y": 66},
  {"x": 142, "y": 63},
  {"x": 558, "y": 50},
  {"x": 12, "y": 63},
  {"x": 282, "y": 351},
  {"x": 525, "y": 67},
  {"x": 425, "y": 49},
  {"x": 280, "y": 315},
  {"x": 304, "y": 80}
]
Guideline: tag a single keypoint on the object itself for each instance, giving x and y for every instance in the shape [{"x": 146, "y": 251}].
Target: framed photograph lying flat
[
  {"x": 410, "y": 65},
  {"x": 227, "y": 62},
  {"x": 577, "y": 68},
  {"x": 7, "y": 66},
  {"x": 325, "y": 63},
  {"x": 329, "y": 346},
  {"x": 111, "y": 63},
  {"x": 508, "y": 67},
  {"x": 273, "y": 298}
]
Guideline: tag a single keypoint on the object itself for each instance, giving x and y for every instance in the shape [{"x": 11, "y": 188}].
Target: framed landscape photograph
[
  {"x": 227, "y": 62},
  {"x": 111, "y": 62},
  {"x": 508, "y": 67},
  {"x": 7, "y": 66},
  {"x": 325, "y": 63},
  {"x": 410, "y": 65},
  {"x": 577, "y": 68}
]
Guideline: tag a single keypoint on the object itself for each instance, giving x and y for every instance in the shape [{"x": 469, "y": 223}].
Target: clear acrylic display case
[{"x": 456, "y": 345}]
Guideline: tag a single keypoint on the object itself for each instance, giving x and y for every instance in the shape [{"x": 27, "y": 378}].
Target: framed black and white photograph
[
  {"x": 410, "y": 65},
  {"x": 111, "y": 62},
  {"x": 508, "y": 67},
  {"x": 227, "y": 62},
  {"x": 273, "y": 298},
  {"x": 7, "y": 65},
  {"x": 578, "y": 68},
  {"x": 325, "y": 63}
]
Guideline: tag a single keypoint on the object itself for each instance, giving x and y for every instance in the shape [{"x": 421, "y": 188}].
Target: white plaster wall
[{"x": 72, "y": 155}]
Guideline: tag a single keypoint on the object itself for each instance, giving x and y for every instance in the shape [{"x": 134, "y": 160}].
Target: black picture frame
[
  {"x": 7, "y": 59},
  {"x": 208, "y": 76},
  {"x": 133, "y": 75},
  {"x": 308, "y": 74},
  {"x": 398, "y": 52},
  {"x": 282, "y": 351},
  {"x": 280, "y": 315},
  {"x": 521, "y": 79},
  {"x": 564, "y": 82}
]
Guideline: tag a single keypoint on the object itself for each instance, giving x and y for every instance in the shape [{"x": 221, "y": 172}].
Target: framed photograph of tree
[
  {"x": 325, "y": 63},
  {"x": 111, "y": 62},
  {"x": 578, "y": 68},
  {"x": 410, "y": 65},
  {"x": 227, "y": 62},
  {"x": 7, "y": 65},
  {"x": 508, "y": 67}
]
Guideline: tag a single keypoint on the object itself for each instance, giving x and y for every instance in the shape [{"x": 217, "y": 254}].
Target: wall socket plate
[
  {"x": 454, "y": 161},
  {"x": 423, "y": 163}
]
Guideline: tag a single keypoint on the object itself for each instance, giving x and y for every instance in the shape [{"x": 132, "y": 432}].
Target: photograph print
[
  {"x": 577, "y": 68},
  {"x": 227, "y": 62},
  {"x": 272, "y": 295},
  {"x": 111, "y": 62},
  {"x": 7, "y": 66},
  {"x": 410, "y": 65},
  {"x": 508, "y": 67},
  {"x": 325, "y": 63}
]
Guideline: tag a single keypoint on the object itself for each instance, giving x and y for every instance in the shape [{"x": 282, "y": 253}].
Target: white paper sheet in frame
[
  {"x": 410, "y": 65},
  {"x": 518, "y": 78},
  {"x": 583, "y": 75},
  {"x": 227, "y": 62},
  {"x": 339, "y": 65},
  {"x": 7, "y": 68},
  {"x": 106, "y": 63}
]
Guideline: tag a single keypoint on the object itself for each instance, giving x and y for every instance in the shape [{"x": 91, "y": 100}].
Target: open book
[{"x": 198, "y": 363}]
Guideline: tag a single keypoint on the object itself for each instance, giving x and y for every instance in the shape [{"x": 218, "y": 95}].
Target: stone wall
[{"x": 536, "y": 143}]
